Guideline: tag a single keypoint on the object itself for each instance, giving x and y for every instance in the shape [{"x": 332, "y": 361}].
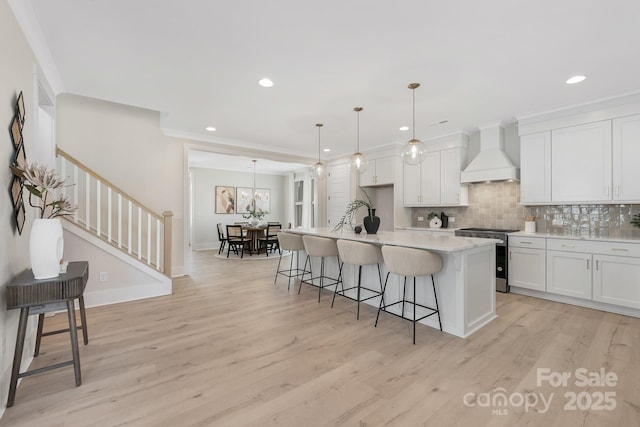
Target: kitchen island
[{"x": 466, "y": 285}]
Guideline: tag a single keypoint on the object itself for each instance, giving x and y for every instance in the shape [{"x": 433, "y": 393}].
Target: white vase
[
  {"x": 253, "y": 221},
  {"x": 46, "y": 247}
]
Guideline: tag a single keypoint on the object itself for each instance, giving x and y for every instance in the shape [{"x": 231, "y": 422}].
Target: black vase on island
[{"x": 371, "y": 222}]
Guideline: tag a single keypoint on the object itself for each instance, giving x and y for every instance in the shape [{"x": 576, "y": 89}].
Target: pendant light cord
[
  {"x": 413, "y": 125},
  {"x": 319, "y": 126}
]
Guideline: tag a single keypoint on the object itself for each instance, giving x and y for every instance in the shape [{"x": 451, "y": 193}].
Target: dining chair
[
  {"x": 222, "y": 238},
  {"x": 270, "y": 239},
  {"x": 237, "y": 240}
]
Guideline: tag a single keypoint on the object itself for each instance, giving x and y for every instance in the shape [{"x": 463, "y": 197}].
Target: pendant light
[
  {"x": 319, "y": 170},
  {"x": 413, "y": 152},
  {"x": 358, "y": 162}
]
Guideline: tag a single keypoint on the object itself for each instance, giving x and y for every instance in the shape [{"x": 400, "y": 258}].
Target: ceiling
[
  {"x": 198, "y": 62},
  {"x": 209, "y": 160}
]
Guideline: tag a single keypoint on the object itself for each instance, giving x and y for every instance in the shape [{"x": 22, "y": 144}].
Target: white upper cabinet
[
  {"x": 379, "y": 172},
  {"x": 412, "y": 185},
  {"x": 581, "y": 163},
  {"x": 430, "y": 179},
  {"x": 436, "y": 181},
  {"x": 626, "y": 152},
  {"x": 535, "y": 168}
]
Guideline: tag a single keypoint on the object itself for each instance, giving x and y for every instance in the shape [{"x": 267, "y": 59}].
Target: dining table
[{"x": 254, "y": 233}]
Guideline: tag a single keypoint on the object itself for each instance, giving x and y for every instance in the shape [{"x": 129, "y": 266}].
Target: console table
[{"x": 34, "y": 296}]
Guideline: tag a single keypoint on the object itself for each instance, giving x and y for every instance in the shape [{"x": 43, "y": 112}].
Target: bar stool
[
  {"x": 409, "y": 262},
  {"x": 358, "y": 254},
  {"x": 293, "y": 243},
  {"x": 321, "y": 247}
]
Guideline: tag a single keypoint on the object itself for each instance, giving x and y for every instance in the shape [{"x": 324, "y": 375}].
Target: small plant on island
[{"x": 352, "y": 208}]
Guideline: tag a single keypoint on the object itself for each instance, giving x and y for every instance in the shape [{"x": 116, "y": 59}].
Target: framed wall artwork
[
  {"x": 20, "y": 216},
  {"x": 225, "y": 201},
  {"x": 243, "y": 196},
  {"x": 263, "y": 199},
  {"x": 19, "y": 159},
  {"x": 20, "y": 108},
  {"x": 16, "y": 132}
]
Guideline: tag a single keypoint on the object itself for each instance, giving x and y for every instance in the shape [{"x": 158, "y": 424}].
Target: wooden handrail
[{"x": 89, "y": 171}]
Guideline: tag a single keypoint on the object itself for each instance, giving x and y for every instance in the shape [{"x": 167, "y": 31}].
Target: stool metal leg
[
  {"x": 278, "y": 271},
  {"x": 414, "y": 311},
  {"x": 359, "y": 277},
  {"x": 335, "y": 291},
  {"x": 321, "y": 278},
  {"x": 310, "y": 272},
  {"x": 435, "y": 296},
  {"x": 380, "y": 278},
  {"x": 382, "y": 304},
  {"x": 404, "y": 294}
]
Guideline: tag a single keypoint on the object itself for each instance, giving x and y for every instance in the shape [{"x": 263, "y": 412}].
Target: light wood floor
[{"x": 229, "y": 348}]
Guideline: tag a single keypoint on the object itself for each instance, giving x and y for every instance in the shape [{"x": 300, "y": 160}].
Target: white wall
[
  {"x": 16, "y": 74},
  {"x": 204, "y": 233},
  {"x": 126, "y": 146}
]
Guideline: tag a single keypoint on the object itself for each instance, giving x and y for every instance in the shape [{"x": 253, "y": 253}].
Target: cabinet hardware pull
[
  {"x": 526, "y": 243},
  {"x": 568, "y": 246},
  {"x": 587, "y": 264},
  {"x": 597, "y": 265},
  {"x": 620, "y": 249},
  {"x": 618, "y": 191},
  {"x": 509, "y": 255}
]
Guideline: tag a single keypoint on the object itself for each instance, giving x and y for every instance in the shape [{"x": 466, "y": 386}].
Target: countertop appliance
[{"x": 502, "y": 260}]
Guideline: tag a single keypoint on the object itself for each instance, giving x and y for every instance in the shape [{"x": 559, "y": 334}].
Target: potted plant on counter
[
  {"x": 371, "y": 221},
  {"x": 434, "y": 220}
]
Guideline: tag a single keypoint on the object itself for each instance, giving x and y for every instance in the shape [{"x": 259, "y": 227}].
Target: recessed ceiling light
[
  {"x": 211, "y": 129},
  {"x": 575, "y": 79},
  {"x": 326, "y": 150},
  {"x": 403, "y": 128},
  {"x": 265, "y": 82}
]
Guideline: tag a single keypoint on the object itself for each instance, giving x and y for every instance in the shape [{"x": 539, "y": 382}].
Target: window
[
  {"x": 313, "y": 202},
  {"x": 298, "y": 193}
]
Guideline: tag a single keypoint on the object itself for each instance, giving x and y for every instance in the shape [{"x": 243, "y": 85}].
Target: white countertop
[
  {"x": 629, "y": 239},
  {"x": 442, "y": 242}
]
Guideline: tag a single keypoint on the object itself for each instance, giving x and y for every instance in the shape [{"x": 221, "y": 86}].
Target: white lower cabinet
[
  {"x": 527, "y": 263},
  {"x": 596, "y": 270},
  {"x": 616, "y": 280},
  {"x": 569, "y": 273}
]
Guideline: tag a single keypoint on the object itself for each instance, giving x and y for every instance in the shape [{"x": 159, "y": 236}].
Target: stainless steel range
[{"x": 502, "y": 268}]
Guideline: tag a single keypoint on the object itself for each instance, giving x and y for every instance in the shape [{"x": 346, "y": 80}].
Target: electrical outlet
[
  {"x": 104, "y": 276},
  {"x": 452, "y": 219},
  {"x": 420, "y": 218}
]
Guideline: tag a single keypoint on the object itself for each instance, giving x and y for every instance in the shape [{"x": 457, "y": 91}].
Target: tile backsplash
[{"x": 495, "y": 205}]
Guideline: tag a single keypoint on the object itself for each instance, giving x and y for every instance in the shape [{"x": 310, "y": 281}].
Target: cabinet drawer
[
  {"x": 569, "y": 245},
  {"x": 590, "y": 246},
  {"x": 617, "y": 249},
  {"x": 527, "y": 242}
]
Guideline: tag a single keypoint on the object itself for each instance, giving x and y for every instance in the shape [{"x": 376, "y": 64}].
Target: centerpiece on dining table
[{"x": 254, "y": 215}]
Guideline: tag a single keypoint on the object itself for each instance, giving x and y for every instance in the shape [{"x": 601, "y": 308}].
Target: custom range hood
[{"x": 492, "y": 163}]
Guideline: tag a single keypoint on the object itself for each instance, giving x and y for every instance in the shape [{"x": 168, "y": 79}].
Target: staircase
[{"x": 111, "y": 220}]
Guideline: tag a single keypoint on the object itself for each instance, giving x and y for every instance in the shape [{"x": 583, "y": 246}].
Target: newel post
[{"x": 168, "y": 220}]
